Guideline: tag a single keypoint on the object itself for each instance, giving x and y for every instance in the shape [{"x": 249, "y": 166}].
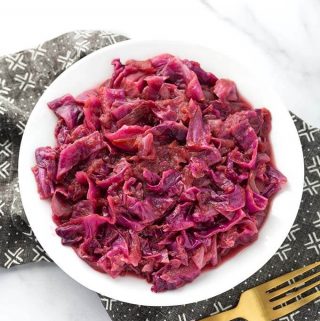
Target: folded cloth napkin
[{"x": 23, "y": 78}]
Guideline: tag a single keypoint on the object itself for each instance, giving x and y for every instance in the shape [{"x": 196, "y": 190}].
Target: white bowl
[{"x": 92, "y": 70}]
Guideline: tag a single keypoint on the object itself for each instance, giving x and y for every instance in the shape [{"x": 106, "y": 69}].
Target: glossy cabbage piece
[
  {"x": 45, "y": 170},
  {"x": 68, "y": 109},
  {"x": 160, "y": 171}
]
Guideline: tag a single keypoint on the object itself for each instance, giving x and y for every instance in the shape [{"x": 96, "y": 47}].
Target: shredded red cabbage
[{"x": 160, "y": 171}]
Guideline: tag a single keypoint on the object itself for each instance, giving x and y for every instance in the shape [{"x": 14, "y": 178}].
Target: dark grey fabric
[{"x": 23, "y": 78}]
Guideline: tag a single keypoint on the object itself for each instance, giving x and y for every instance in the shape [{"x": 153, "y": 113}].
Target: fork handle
[{"x": 224, "y": 316}]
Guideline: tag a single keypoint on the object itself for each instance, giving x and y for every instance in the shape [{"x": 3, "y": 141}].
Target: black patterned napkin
[{"x": 23, "y": 78}]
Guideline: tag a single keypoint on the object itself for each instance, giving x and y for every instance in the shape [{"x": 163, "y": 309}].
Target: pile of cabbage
[{"x": 160, "y": 171}]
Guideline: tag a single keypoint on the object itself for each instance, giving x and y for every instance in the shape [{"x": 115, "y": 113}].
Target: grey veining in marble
[{"x": 288, "y": 34}]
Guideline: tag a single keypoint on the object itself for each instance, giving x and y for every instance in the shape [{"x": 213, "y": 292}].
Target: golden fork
[{"x": 266, "y": 302}]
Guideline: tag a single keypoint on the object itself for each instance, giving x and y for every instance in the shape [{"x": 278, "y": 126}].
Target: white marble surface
[
  {"x": 280, "y": 37},
  {"x": 38, "y": 292}
]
